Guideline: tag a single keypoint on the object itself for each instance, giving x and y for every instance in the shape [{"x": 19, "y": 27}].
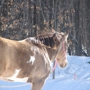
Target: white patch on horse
[
  {"x": 33, "y": 39},
  {"x": 32, "y": 59},
  {"x": 16, "y": 73},
  {"x": 15, "y": 79}
]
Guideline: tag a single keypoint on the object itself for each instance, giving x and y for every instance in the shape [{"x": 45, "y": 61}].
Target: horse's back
[{"x": 22, "y": 60}]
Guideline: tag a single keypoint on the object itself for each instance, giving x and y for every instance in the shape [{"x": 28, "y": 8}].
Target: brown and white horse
[{"x": 29, "y": 60}]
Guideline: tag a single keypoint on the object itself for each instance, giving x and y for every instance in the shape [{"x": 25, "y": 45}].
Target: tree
[{"x": 20, "y": 19}]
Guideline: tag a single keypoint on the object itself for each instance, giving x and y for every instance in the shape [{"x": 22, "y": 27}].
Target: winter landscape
[{"x": 76, "y": 76}]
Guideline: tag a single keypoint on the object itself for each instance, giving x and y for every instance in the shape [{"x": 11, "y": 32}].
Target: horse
[{"x": 29, "y": 60}]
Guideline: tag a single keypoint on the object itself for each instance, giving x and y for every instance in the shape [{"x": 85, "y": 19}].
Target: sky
[{"x": 76, "y": 76}]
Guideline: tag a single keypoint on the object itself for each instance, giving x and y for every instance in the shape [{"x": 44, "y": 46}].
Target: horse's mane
[{"x": 48, "y": 39}]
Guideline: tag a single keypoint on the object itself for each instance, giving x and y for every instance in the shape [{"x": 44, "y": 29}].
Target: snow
[{"x": 76, "y": 76}]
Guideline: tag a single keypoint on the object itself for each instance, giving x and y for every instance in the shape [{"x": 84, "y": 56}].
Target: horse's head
[{"x": 62, "y": 49}]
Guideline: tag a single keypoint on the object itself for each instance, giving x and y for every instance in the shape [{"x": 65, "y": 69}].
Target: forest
[{"x": 20, "y": 19}]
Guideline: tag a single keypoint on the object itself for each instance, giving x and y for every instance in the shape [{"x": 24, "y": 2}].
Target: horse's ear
[{"x": 66, "y": 34}]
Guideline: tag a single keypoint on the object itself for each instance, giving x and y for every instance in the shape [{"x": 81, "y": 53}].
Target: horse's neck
[{"x": 52, "y": 53}]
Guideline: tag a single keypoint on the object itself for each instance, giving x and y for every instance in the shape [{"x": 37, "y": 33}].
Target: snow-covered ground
[{"x": 76, "y": 76}]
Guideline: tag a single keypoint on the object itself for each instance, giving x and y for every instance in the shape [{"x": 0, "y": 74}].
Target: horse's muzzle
[{"x": 64, "y": 64}]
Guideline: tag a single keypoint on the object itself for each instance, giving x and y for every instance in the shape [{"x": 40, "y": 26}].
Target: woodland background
[{"x": 20, "y": 19}]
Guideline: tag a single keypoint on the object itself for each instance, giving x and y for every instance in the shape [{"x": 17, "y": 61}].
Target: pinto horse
[{"x": 29, "y": 60}]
